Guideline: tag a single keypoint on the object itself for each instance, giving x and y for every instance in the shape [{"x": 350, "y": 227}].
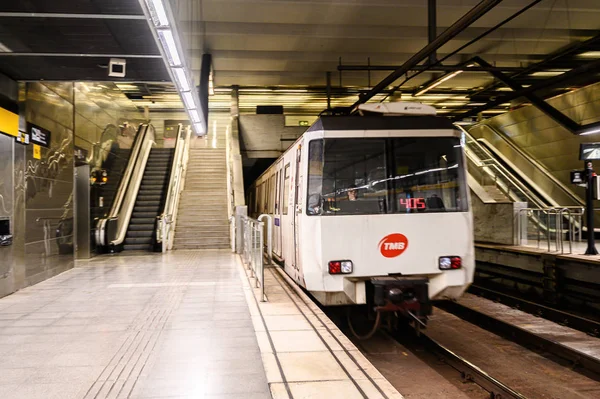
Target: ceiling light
[
  {"x": 188, "y": 100},
  {"x": 593, "y": 131},
  {"x": 158, "y": 13},
  {"x": 182, "y": 79},
  {"x": 476, "y": 104},
  {"x": 437, "y": 82},
  {"x": 168, "y": 42},
  {"x": 199, "y": 128},
  {"x": 549, "y": 73},
  {"x": 504, "y": 89},
  {"x": 194, "y": 116},
  {"x": 590, "y": 54}
]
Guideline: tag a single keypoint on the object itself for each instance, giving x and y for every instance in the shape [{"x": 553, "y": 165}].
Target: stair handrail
[
  {"x": 167, "y": 220},
  {"x": 491, "y": 162},
  {"x": 538, "y": 165},
  {"x": 111, "y": 231}
]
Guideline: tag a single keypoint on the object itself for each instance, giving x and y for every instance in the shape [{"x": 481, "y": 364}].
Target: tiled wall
[{"x": 38, "y": 193}]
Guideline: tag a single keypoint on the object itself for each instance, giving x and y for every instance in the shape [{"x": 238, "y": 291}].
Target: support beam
[
  {"x": 423, "y": 68},
  {"x": 69, "y": 15},
  {"x": 537, "y": 101},
  {"x": 432, "y": 27},
  {"x": 328, "y": 90},
  {"x": 566, "y": 77},
  {"x": 13, "y": 54},
  {"x": 203, "y": 88},
  {"x": 465, "y": 21}
]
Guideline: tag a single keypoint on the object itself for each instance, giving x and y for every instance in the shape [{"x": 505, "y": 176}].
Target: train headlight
[
  {"x": 340, "y": 267},
  {"x": 450, "y": 262}
]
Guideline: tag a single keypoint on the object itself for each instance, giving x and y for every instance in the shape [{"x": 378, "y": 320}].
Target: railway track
[
  {"x": 588, "y": 326},
  {"x": 522, "y": 336},
  {"x": 469, "y": 372}
]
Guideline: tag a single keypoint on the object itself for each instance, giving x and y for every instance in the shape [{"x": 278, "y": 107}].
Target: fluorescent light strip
[
  {"x": 194, "y": 116},
  {"x": 594, "y": 131},
  {"x": 439, "y": 82},
  {"x": 188, "y": 100},
  {"x": 199, "y": 128},
  {"x": 158, "y": 13},
  {"x": 181, "y": 78},
  {"x": 168, "y": 42}
]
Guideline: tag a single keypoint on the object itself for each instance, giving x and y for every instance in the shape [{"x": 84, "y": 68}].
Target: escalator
[
  {"x": 139, "y": 213},
  {"x": 150, "y": 200},
  {"x": 503, "y": 170}
]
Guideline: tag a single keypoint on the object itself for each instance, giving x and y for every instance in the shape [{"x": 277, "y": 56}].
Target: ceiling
[{"x": 279, "y": 51}]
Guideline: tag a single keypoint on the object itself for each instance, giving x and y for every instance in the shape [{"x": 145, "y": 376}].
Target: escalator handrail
[
  {"x": 532, "y": 197},
  {"x": 126, "y": 178},
  {"x": 101, "y": 224},
  {"x": 111, "y": 231},
  {"x": 537, "y": 165},
  {"x": 166, "y": 221}
]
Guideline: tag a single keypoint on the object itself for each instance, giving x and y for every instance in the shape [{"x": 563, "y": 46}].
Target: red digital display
[{"x": 413, "y": 203}]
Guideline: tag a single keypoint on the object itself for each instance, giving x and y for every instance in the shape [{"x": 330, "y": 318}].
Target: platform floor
[
  {"x": 138, "y": 326},
  {"x": 185, "y": 324}
]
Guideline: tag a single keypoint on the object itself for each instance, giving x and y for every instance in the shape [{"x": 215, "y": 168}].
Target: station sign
[{"x": 38, "y": 135}]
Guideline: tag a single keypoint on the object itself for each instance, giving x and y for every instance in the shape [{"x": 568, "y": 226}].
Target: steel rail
[
  {"x": 521, "y": 336},
  {"x": 588, "y": 326},
  {"x": 468, "y": 370}
]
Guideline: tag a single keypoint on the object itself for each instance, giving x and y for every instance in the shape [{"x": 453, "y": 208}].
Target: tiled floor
[
  {"x": 304, "y": 353},
  {"x": 137, "y": 326}
]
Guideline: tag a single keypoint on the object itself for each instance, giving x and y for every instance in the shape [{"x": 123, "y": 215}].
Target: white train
[{"x": 373, "y": 209}]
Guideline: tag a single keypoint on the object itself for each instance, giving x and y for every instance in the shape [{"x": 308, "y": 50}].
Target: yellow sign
[
  {"x": 9, "y": 122},
  {"x": 37, "y": 152}
]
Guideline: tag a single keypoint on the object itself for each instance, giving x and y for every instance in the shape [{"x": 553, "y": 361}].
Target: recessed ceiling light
[{"x": 549, "y": 73}]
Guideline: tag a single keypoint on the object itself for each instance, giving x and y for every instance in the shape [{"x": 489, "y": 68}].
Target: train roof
[{"x": 379, "y": 122}]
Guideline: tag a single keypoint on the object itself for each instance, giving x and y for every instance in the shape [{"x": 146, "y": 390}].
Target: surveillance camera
[{"x": 116, "y": 67}]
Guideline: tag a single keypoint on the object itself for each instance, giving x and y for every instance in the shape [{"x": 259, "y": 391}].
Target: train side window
[
  {"x": 286, "y": 188},
  {"x": 277, "y": 193},
  {"x": 272, "y": 195}
]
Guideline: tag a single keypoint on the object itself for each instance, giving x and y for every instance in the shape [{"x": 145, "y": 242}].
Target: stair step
[{"x": 139, "y": 227}]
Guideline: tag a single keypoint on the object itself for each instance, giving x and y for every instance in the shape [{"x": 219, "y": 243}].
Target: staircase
[
  {"x": 202, "y": 219},
  {"x": 150, "y": 200},
  {"x": 496, "y": 194}
]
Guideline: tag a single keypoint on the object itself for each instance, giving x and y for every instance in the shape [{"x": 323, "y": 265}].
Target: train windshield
[{"x": 366, "y": 176}]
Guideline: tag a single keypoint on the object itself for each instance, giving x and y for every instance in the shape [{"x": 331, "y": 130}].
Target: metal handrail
[
  {"x": 269, "y": 247},
  {"x": 573, "y": 215},
  {"x": 252, "y": 255},
  {"x": 166, "y": 221},
  {"x": 536, "y": 164}
]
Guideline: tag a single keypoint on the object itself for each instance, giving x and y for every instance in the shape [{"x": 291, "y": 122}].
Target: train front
[{"x": 387, "y": 218}]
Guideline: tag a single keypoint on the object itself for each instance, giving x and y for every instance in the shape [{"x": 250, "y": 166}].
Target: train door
[
  {"x": 277, "y": 215},
  {"x": 297, "y": 211}
]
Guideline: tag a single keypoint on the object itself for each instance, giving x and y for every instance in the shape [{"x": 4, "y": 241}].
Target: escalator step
[
  {"x": 139, "y": 234},
  {"x": 146, "y": 221}
]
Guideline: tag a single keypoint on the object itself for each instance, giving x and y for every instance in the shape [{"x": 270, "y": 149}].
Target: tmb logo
[{"x": 393, "y": 245}]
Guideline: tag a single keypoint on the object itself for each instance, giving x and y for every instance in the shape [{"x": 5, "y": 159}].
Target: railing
[
  {"x": 561, "y": 224},
  {"x": 166, "y": 222},
  {"x": 512, "y": 187},
  {"x": 252, "y": 254}
]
